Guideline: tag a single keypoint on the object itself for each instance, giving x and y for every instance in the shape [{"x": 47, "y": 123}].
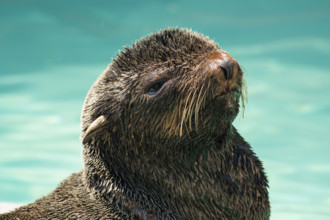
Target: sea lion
[{"x": 158, "y": 140}]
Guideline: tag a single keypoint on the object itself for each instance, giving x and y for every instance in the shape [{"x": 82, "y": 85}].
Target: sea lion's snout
[
  {"x": 222, "y": 65},
  {"x": 225, "y": 69},
  {"x": 226, "y": 78}
]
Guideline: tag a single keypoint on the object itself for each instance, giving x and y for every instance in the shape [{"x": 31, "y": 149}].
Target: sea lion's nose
[{"x": 227, "y": 66}]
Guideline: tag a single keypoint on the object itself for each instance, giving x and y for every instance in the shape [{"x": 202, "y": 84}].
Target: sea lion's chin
[{"x": 232, "y": 98}]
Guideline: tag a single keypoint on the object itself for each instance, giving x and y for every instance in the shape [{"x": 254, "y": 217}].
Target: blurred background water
[{"x": 52, "y": 51}]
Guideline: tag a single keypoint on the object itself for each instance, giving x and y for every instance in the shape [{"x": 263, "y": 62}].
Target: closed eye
[{"x": 154, "y": 88}]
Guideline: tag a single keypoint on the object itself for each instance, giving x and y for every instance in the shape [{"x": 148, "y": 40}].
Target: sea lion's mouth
[
  {"x": 229, "y": 96},
  {"x": 229, "y": 91}
]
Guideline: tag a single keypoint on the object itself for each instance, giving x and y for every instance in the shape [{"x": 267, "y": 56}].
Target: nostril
[
  {"x": 225, "y": 72},
  {"x": 227, "y": 66}
]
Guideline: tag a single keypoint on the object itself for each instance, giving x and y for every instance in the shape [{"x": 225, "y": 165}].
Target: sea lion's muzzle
[
  {"x": 222, "y": 65},
  {"x": 225, "y": 70}
]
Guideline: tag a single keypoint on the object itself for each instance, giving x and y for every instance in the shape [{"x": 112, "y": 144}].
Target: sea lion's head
[
  {"x": 171, "y": 90},
  {"x": 171, "y": 83}
]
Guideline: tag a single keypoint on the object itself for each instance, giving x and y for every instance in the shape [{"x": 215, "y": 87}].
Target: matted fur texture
[{"x": 159, "y": 141}]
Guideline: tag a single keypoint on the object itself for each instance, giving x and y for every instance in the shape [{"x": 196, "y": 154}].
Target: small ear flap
[{"x": 97, "y": 124}]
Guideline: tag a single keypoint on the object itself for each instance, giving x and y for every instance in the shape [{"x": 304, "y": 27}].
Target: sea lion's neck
[
  {"x": 152, "y": 159},
  {"x": 134, "y": 178}
]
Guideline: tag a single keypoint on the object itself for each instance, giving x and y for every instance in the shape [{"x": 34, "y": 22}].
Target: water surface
[{"x": 52, "y": 51}]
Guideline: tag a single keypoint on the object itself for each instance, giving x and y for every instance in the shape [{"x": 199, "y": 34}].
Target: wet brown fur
[{"x": 169, "y": 155}]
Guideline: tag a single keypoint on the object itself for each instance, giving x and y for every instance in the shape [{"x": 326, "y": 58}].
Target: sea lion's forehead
[
  {"x": 171, "y": 45},
  {"x": 161, "y": 72}
]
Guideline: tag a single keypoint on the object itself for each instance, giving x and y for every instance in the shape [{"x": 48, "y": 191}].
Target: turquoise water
[{"x": 52, "y": 51}]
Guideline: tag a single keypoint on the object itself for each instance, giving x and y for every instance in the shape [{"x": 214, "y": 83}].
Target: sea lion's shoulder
[{"x": 69, "y": 200}]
